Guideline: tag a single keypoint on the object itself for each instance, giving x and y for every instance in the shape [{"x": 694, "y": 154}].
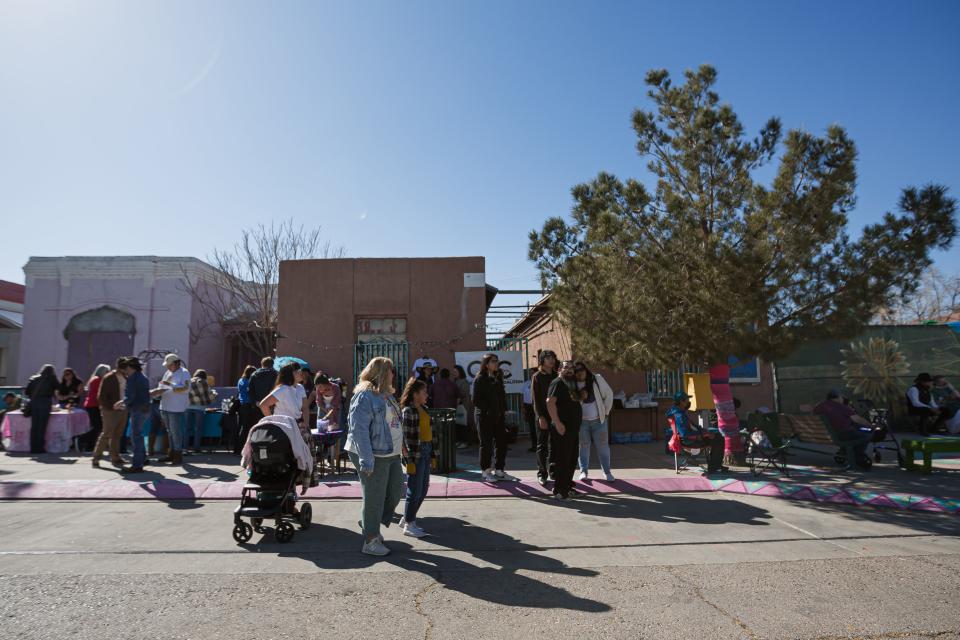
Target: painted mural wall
[{"x": 879, "y": 364}]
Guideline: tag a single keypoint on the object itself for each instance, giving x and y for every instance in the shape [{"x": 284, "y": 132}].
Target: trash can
[{"x": 443, "y": 423}]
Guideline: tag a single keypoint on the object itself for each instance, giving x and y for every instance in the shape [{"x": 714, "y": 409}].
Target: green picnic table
[{"x": 927, "y": 448}]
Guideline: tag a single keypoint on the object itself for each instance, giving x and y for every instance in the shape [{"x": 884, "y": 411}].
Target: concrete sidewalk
[{"x": 639, "y": 469}]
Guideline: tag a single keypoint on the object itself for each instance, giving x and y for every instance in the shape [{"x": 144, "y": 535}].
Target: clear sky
[{"x": 422, "y": 128}]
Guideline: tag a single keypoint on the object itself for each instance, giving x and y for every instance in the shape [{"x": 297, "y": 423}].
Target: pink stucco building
[{"x": 80, "y": 311}]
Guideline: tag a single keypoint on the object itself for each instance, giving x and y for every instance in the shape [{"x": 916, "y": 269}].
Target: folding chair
[
  {"x": 768, "y": 452},
  {"x": 686, "y": 453}
]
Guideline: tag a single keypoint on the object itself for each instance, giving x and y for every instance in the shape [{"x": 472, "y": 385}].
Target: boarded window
[{"x": 381, "y": 330}]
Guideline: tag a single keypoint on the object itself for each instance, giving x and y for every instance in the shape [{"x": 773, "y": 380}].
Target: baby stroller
[{"x": 271, "y": 491}]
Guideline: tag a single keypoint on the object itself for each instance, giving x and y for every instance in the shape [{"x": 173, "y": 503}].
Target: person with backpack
[{"x": 41, "y": 389}]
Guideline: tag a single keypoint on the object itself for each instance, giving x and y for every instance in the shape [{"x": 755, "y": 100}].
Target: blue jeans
[
  {"x": 418, "y": 483},
  {"x": 596, "y": 432},
  {"x": 194, "y": 430},
  {"x": 137, "y": 420},
  {"x": 174, "y": 424}
]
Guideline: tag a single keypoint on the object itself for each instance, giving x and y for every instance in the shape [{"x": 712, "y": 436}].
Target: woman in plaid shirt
[
  {"x": 418, "y": 443},
  {"x": 201, "y": 396}
]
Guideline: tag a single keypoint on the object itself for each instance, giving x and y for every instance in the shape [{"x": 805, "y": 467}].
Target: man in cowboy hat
[
  {"x": 174, "y": 392},
  {"x": 921, "y": 403}
]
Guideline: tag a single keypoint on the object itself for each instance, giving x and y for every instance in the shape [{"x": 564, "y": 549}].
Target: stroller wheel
[
  {"x": 839, "y": 459},
  {"x": 257, "y": 524},
  {"x": 284, "y": 532},
  {"x": 242, "y": 532},
  {"x": 306, "y": 516}
]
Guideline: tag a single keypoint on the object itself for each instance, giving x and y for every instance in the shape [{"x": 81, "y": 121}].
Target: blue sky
[{"x": 421, "y": 128}]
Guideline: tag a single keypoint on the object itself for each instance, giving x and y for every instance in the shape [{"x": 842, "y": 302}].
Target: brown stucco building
[
  {"x": 336, "y": 313},
  {"x": 543, "y": 330}
]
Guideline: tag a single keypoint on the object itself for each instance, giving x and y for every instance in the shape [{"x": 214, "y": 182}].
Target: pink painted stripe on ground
[
  {"x": 121, "y": 489},
  {"x": 441, "y": 487}
]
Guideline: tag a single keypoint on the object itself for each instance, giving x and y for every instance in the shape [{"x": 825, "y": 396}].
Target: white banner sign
[{"x": 511, "y": 364}]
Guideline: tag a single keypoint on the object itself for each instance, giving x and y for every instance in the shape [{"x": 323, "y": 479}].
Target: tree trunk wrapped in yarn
[{"x": 727, "y": 420}]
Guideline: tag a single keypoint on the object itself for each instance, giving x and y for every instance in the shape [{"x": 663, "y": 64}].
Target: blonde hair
[{"x": 374, "y": 376}]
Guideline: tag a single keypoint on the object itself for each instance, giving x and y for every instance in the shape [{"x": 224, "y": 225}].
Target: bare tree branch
[{"x": 238, "y": 295}]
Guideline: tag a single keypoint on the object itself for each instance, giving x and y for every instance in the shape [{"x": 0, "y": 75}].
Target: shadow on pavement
[
  {"x": 496, "y": 578},
  {"x": 193, "y": 472},
  {"x": 666, "y": 507},
  {"x": 45, "y": 458}
]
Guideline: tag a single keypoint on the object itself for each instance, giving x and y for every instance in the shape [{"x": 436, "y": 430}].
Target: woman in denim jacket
[{"x": 374, "y": 443}]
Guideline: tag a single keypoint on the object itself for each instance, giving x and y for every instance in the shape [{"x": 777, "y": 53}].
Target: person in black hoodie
[
  {"x": 490, "y": 400},
  {"x": 540, "y": 387},
  {"x": 41, "y": 389}
]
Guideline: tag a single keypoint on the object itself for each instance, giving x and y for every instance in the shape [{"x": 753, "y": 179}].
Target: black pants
[
  {"x": 89, "y": 440},
  {"x": 565, "y": 449},
  {"x": 39, "y": 416},
  {"x": 545, "y": 463},
  {"x": 926, "y": 420},
  {"x": 716, "y": 444},
  {"x": 249, "y": 415},
  {"x": 530, "y": 419},
  {"x": 493, "y": 441}
]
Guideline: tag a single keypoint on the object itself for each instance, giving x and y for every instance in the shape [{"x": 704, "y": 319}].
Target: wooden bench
[
  {"x": 811, "y": 428},
  {"x": 927, "y": 448}
]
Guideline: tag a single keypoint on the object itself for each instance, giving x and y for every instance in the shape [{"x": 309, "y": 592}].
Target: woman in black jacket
[
  {"x": 41, "y": 389},
  {"x": 490, "y": 402}
]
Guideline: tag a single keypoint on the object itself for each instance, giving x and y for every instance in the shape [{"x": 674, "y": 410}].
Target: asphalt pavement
[{"x": 662, "y": 565}]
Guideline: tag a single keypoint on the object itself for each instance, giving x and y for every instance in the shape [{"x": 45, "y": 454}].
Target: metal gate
[{"x": 399, "y": 352}]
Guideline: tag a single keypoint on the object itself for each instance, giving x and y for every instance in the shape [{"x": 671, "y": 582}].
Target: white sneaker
[
  {"x": 490, "y": 476},
  {"x": 610, "y": 477},
  {"x": 414, "y": 531},
  {"x": 502, "y": 475},
  {"x": 582, "y": 476},
  {"x": 375, "y": 548}
]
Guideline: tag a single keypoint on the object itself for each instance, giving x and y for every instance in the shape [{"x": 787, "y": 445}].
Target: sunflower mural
[{"x": 872, "y": 368}]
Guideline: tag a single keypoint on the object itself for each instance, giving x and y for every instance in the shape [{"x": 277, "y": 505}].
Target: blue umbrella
[{"x": 282, "y": 360}]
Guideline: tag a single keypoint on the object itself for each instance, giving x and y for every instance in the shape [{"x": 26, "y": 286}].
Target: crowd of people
[
  {"x": 387, "y": 431},
  {"x": 118, "y": 396},
  {"x": 570, "y": 406}
]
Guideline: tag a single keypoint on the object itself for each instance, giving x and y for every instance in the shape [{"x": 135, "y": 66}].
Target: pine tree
[{"x": 710, "y": 262}]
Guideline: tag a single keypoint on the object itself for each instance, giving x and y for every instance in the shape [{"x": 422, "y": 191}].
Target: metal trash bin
[{"x": 443, "y": 424}]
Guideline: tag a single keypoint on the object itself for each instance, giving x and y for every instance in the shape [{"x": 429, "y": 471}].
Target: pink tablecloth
[{"x": 61, "y": 430}]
